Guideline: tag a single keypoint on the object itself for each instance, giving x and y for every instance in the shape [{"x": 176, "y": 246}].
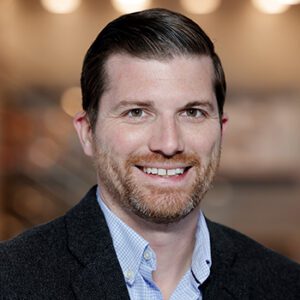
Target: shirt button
[
  {"x": 128, "y": 275},
  {"x": 147, "y": 255}
]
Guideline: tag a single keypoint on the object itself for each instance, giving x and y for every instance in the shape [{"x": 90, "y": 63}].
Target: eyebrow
[
  {"x": 130, "y": 103},
  {"x": 204, "y": 103},
  {"x": 127, "y": 103}
]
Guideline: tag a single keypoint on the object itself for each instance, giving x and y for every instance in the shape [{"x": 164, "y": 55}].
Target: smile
[{"x": 164, "y": 172}]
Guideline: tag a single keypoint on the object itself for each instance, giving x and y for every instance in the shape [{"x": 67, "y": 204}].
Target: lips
[{"x": 164, "y": 171}]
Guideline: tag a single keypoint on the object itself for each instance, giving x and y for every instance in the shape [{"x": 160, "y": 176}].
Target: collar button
[
  {"x": 128, "y": 275},
  {"x": 147, "y": 255}
]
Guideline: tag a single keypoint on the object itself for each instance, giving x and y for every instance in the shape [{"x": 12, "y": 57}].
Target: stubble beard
[{"x": 160, "y": 205}]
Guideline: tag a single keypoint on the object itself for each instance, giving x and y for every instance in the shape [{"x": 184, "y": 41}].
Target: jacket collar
[
  {"x": 225, "y": 281},
  {"x": 90, "y": 242},
  {"x": 101, "y": 275}
]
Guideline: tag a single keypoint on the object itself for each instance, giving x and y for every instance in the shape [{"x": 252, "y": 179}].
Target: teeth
[
  {"x": 164, "y": 172},
  {"x": 179, "y": 171},
  {"x": 171, "y": 172},
  {"x": 154, "y": 171}
]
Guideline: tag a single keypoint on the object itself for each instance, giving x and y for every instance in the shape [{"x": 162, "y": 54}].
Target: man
[{"x": 153, "y": 93}]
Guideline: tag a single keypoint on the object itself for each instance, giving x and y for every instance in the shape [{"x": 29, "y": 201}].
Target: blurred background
[{"x": 43, "y": 171}]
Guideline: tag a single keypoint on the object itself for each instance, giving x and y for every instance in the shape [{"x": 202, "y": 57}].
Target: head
[
  {"x": 153, "y": 94},
  {"x": 155, "y": 33}
]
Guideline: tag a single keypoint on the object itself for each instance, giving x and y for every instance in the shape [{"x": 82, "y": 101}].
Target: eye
[
  {"x": 136, "y": 113},
  {"x": 193, "y": 113}
]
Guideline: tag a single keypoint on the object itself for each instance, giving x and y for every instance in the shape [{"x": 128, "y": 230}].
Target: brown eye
[
  {"x": 135, "y": 113},
  {"x": 194, "y": 113}
]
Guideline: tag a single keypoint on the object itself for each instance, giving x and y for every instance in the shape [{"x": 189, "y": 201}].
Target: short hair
[{"x": 149, "y": 34}]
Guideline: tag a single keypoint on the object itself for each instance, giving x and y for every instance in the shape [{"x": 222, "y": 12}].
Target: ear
[
  {"x": 224, "y": 121},
  {"x": 84, "y": 131}
]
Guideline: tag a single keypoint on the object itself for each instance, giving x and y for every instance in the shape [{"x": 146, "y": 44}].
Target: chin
[{"x": 162, "y": 208}]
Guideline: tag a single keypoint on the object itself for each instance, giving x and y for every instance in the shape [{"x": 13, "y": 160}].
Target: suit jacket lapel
[
  {"x": 90, "y": 242},
  {"x": 101, "y": 275},
  {"x": 224, "y": 281}
]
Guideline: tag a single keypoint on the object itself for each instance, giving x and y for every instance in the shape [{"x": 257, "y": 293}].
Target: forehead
[
  {"x": 124, "y": 65},
  {"x": 181, "y": 77}
]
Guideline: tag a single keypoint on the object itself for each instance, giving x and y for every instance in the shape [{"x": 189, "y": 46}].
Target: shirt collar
[
  {"x": 201, "y": 260},
  {"x": 130, "y": 247}
]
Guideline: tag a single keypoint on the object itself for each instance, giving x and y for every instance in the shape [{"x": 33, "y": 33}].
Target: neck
[
  {"x": 173, "y": 245},
  {"x": 174, "y": 249}
]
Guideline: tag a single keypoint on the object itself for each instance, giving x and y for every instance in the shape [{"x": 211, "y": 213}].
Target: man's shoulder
[
  {"x": 266, "y": 271},
  {"x": 72, "y": 254},
  {"x": 34, "y": 261},
  {"x": 34, "y": 240},
  {"x": 245, "y": 246},
  {"x": 41, "y": 262},
  {"x": 50, "y": 237},
  {"x": 51, "y": 234}
]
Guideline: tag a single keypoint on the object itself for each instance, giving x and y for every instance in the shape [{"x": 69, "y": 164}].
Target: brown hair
[{"x": 153, "y": 33}]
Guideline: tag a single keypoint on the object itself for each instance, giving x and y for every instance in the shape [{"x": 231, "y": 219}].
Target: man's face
[{"x": 156, "y": 144}]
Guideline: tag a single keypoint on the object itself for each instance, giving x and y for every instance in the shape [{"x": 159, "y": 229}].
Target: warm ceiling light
[
  {"x": 289, "y": 2},
  {"x": 200, "y": 6},
  {"x": 71, "y": 101},
  {"x": 270, "y": 6},
  {"x": 61, "y": 6},
  {"x": 128, "y": 6}
]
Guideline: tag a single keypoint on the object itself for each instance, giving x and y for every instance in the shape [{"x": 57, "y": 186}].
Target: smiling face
[{"x": 156, "y": 145}]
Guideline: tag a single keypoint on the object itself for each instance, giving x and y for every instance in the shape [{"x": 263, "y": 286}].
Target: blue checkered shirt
[{"x": 138, "y": 260}]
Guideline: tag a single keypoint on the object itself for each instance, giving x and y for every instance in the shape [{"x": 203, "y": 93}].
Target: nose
[{"x": 166, "y": 138}]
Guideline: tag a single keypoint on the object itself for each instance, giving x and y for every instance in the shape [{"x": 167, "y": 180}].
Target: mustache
[{"x": 183, "y": 158}]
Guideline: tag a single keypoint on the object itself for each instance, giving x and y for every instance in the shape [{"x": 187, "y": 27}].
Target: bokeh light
[
  {"x": 128, "y": 6},
  {"x": 200, "y": 6},
  {"x": 270, "y": 6},
  {"x": 289, "y": 2},
  {"x": 61, "y": 6}
]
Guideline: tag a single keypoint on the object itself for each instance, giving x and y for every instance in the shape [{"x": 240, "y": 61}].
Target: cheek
[
  {"x": 123, "y": 141},
  {"x": 204, "y": 141}
]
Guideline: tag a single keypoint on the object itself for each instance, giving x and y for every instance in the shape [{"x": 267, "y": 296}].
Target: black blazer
[{"x": 73, "y": 257}]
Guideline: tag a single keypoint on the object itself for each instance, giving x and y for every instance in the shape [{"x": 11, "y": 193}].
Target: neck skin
[
  {"x": 172, "y": 243},
  {"x": 173, "y": 246}
]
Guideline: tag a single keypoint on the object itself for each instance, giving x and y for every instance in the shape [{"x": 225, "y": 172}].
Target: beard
[{"x": 157, "y": 204}]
